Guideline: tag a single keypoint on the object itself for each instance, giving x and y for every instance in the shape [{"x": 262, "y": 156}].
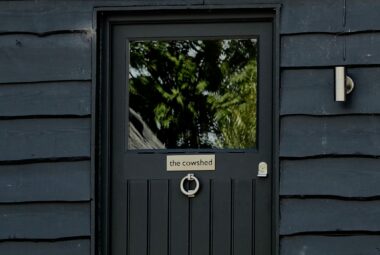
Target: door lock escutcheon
[{"x": 262, "y": 169}]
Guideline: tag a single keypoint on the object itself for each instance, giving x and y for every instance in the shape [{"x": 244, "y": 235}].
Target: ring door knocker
[{"x": 191, "y": 192}]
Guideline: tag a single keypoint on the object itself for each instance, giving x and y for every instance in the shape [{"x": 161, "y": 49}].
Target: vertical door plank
[
  {"x": 158, "y": 241},
  {"x": 221, "y": 217},
  {"x": 243, "y": 217},
  {"x": 138, "y": 217},
  {"x": 200, "y": 220},
  {"x": 179, "y": 220}
]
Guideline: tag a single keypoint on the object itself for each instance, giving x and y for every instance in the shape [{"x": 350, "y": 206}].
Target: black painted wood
[
  {"x": 159, "y": 217},
  {"x": 230, "y": 202},
  {"x": 328, "y": 215},
  {"x": 222, "y": 217},
  {"x": 52, "y": 98},
  {"x": 339, "y": 135},
  {"x": 138, "y": 223},
  {"x": 52, "y": 16},
  {"x": 44, "y": 221},
  {"x": 179, "y": 220},
  {"x": 311, "y": 91},
  {"x": 330, "y": 245},
  {"x": 242, "y": 2},
  {"x": 363, "y": 49},
  {"x": 44, "y": 138},
  {"x": 60, "y": 181},
  {"x": 28, "y": 58},
  {"x": 47, "y": 16},
  {"x": 300, "y": 16},
  {"x": 157, "y": 226},
  {"x": 346, "y": 177},
  {"x": 309, "y": 50},
  {"x": 243, "y": 232},
  {"x": 72, "y": 247},
  {"x": 200, "y": 221},
  {"x": 362, "y": 15}
]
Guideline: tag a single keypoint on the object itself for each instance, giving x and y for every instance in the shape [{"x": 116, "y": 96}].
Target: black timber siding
[{"x": 330, "y": 171}]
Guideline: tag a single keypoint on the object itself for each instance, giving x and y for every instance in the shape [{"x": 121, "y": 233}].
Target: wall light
[{"x": 343, "y": 84}]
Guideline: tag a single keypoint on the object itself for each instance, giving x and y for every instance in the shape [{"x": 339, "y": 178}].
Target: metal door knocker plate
[{"x": 191, "y": 192}]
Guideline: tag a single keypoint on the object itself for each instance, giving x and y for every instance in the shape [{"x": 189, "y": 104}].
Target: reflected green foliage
[{"x": 196, "y": 94}]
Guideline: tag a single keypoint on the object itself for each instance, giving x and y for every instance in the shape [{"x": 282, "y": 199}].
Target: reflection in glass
[{"x": 192, "y": 94}]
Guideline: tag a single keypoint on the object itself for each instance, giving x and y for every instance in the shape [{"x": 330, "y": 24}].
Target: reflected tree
[{"x": 196, "y": 93}]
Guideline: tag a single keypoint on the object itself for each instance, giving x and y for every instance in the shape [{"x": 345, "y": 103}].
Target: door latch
[{"x": 262, "y": 169}]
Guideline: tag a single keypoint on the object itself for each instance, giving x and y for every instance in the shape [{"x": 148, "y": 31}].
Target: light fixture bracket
[{"x": 350, "y": 85}]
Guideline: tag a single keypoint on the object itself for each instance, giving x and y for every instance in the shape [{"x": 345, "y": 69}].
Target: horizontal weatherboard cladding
[
  {"x": 300, "y": 16},
  {"x": 240, "y": 2},
  {"x": 363, "y": 49},
  {"x": 26, "y": 17},
  {"x": 356, "y": 178},
  {"x": 64, "y": 247},
  {"x": 330, "y": 245},
  {"x": 299, "y": 216},
  {"x": 51, "y": 181},
  {"x": 64, "y": 16},
  {"x": 303, "y": 136},
  {"x": 320, "y": 50},
  {"x": 362, "y": 15},
  {"x": 311, "y": 91},
  {"x": 309, "y": 50},
  {"x": 68, "y": 15},
  {"x": 29, "y": 58},
  {"x": 46, "y": 98},
  {"x": 26, "y": 139},
  {"x": 45, "y": 49},
  {"x": 44, "y": 220},
  {"x": 329, "y": 173},
  {"x": 45, "y": 108}
]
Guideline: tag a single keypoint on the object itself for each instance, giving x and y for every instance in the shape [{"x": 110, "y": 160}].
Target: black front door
[{"x": 198, "y": 84}]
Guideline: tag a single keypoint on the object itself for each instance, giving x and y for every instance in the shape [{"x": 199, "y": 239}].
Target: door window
[{"x": 198, "y": 93}]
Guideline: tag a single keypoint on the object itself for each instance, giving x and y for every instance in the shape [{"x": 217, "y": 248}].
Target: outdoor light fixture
[{"x": 343, "y": 84}]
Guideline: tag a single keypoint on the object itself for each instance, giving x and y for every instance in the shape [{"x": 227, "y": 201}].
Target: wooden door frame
[{"x": 103, "y": 19}]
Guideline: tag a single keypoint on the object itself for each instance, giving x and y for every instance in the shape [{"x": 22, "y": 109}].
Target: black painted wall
[{"x": 330, "y": 171}]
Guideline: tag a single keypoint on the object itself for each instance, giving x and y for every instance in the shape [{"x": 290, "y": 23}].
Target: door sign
[{"x": 190, "y": 162}]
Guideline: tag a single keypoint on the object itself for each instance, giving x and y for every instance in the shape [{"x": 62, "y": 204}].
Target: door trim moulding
[{"x": 103, "y": 18}]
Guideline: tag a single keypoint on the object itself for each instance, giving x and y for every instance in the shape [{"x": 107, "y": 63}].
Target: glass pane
[{"x": 193, "y": 94}]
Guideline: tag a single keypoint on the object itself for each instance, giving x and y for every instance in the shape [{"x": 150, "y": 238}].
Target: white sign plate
[{"x": 190, "y": 163}]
